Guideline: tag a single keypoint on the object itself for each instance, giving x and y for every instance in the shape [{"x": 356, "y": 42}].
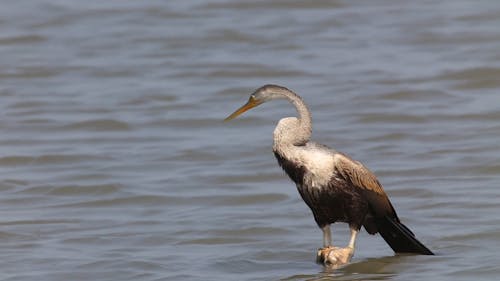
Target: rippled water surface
[{"x": 115, "y": 163}]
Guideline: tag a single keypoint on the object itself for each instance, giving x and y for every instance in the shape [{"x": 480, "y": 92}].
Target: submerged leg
[
  {"x": 327, "y": 244},
  {"x": 338, "y": 256}
]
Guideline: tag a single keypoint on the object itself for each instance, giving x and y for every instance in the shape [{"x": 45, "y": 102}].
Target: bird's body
[
  {"x": 335, "y": 187},
  {"x": 323, "y": 187}
]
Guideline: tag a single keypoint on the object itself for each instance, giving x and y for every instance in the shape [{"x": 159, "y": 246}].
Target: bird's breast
[
  {"x": 319, "y": 168},
  {"x": 307, "y": 165}
]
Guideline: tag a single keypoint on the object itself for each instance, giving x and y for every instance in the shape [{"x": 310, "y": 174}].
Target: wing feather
[
  {"x": 358, "y": 174},
  {"x": 361, "y": 177}
]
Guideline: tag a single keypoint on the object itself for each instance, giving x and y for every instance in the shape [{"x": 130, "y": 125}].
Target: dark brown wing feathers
[
  {"x": 360, "y": 177},
  {"x": 382, "y": 217}
]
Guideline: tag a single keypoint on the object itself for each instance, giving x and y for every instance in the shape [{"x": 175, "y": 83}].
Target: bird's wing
[{"x": 361, "y": 177}]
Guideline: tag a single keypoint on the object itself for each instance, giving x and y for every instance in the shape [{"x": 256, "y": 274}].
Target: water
[{"x": 115, "y": 165}]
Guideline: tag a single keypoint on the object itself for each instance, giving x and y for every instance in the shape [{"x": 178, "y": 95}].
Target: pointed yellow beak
[{"x": 252, "y": 102}]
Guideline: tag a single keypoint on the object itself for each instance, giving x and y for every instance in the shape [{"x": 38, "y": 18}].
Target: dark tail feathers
[{"x": 400, "y": 238}]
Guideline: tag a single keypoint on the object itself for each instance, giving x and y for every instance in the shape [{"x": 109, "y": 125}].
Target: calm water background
[{"x": 115, "y": 165}]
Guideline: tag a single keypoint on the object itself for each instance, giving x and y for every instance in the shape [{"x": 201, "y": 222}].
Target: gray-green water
[{"x": 115, "y": 163}]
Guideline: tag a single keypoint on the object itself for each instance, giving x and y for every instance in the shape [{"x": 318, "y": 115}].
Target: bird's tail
[{"x": 400, "y": 237}]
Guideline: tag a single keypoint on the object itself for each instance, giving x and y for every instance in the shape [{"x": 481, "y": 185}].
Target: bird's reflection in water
[{"x": 384, "y": 268}]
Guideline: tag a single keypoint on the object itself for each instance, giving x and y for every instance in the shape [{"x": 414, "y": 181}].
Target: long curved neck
[
  {"x": 293, "y": 131},
  {"x": 304, "y": 113}
]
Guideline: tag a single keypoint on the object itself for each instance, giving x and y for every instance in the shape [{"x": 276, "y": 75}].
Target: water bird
[{"x": 335, "y": 187}]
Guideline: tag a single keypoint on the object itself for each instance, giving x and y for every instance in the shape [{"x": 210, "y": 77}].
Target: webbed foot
[{"x": 334, "y": 256}]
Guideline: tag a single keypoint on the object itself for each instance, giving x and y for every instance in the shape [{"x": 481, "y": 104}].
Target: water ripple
[
  {"x": 99, "y": 125},
  {"x": 115, "y": 163}
]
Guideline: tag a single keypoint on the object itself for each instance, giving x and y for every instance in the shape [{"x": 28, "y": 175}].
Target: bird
[{"x": 334, "y": 186}]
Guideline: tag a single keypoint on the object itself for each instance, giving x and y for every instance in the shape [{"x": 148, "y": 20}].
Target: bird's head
[{"x": 260, "y": 96}]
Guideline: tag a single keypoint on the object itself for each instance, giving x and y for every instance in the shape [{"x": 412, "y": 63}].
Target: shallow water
[{"x": 115, "y": 163}]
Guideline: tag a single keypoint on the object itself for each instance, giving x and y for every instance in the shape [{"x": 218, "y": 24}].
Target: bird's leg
[
  {"x": 338, "y": 256},
  {"x": 327, "y": 244},
  {"x": 352, "y": 242},
  {"x": 327, "y": 236}
]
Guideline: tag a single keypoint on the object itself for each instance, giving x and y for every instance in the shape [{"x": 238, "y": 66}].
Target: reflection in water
[{"x": 369, "y": 269}]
